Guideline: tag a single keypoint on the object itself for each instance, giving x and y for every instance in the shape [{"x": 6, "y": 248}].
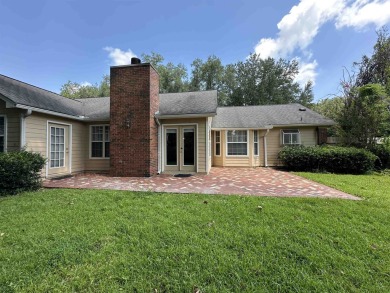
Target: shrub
[
  {"x": 382, "y": 151},
  {"x": 346, "y": 160},
  {"x": 20, "y": 171}
]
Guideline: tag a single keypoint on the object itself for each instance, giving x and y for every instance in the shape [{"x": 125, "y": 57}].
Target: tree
[
  {"x": 267, "y": 81},
  {"x": 331, "y": 108},
  {"x": 376, "y": 69},
  {"x": 365, "y": 115},
  {"x": 173, "y": 78},
  {"x": 75, "y": 90}
]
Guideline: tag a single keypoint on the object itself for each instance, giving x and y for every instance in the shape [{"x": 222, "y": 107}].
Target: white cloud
[
  {"x": 362, "y": 13},
  {"x": 307, "y": 72},
  {"x": 119, "y": 57},
  {"x": 298, "y": 28},
  {"x": 85, "y": 83}
]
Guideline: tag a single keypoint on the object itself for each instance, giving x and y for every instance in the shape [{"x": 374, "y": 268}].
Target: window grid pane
[
  {"x": 100, "y": 141},
  {"x": 237, "y": 149},
  {"x": 57, "y": 147},
  {"x": 237, "y": 143},
  {"x": 291, "y": 136},
  {"x": 217, "y": 143}
]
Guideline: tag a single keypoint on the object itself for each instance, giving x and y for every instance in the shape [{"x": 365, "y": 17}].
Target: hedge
[
  {"x": 345, "y": 160},
  {"x": 20, "y": 171},
  {"x": 382, "y": 151}
]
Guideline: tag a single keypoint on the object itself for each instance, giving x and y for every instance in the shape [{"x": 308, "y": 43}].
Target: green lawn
[{"x": 108, "y": 241}]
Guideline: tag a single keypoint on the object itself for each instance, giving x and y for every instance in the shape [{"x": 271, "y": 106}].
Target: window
[
  {"x": 217, "y": 143},
  {"x": 2, "y": 134},
  {"x": 237, "y": 143},
  {"x": 291, "y": 136},
  {"x": 57, "y": 147},
  {"x": 100, "y": 141},
  {"x": 256, "y": 142}
]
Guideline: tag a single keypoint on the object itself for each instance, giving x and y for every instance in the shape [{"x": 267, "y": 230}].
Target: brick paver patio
[{"x": 239, "y": 181}]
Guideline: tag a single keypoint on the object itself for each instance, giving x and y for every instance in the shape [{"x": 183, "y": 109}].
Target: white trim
[
  {"x": 207, "y": 145},
  {"x": 185, "y": 116},
  {"x": 22, "y": 131},
  {"x": 182, "y": 134},
  {"x": 257, "y": 143},
  {"x": 70, "y": 144},
  {"x": 265, "y": 149},
  {"x": 50, "y": 150},
  {"x": 104, "y": 142},
  {"x": 215, "y": 143},
  {"x": 247, "y": 143},
  {"x": 163, "y": 143},
  {"x": 302, "y": 125},
  {"x": 241, "y": 128},
  {"x": 5, "y": 132},
  {"x": 20, "y": 106},
  {"x": 294, "y": 132},
  {"x": 177, "y": 147}
]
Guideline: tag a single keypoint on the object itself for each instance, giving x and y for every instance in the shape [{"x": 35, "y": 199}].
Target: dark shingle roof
[
  {"x": 203, "y": 102},
  {"x": 265, "y": 116},
  {"x": 96, "y": 109},
  {"x": 29, "y": 95}
]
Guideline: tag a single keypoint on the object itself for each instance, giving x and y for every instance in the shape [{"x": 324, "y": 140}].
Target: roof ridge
[
  {"x": 270, "y": 105},
  {"x": 37, "y": 87},
  {"x": 189, "y": 92}
]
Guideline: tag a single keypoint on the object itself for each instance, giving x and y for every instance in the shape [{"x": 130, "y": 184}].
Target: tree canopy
[{"x": 251, "y": 82}]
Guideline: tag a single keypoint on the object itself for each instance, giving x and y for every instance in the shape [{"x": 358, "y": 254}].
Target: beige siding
[
  {"x": 274, "y": 142},
  {"x": 36, "y": 137},
  {"x": 274, "y": 145},
  {"x": 13, "y": 126},
  {"x": 95, "y": 164},
  {"x": 201, "y": 135}
]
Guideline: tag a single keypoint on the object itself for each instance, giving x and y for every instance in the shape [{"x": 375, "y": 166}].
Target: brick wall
[{"x": 134, "y": 99}]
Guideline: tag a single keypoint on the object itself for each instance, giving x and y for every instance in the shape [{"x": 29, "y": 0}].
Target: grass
[{"x": 111, "y": 241}]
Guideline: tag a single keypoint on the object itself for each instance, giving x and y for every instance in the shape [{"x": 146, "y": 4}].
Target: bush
[
  {"x": 330, "y": 159},
  {"x": 382, "y": 151},
  {"x": 20, "y": 171}
]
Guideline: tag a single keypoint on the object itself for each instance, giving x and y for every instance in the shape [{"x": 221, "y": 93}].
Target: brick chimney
[{"x": 134, "y": 99}]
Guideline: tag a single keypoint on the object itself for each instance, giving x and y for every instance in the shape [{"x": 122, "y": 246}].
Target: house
[{"x": 139, "y": 132}]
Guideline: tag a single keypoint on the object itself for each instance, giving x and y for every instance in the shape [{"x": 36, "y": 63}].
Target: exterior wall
[
  {"x": 36, "y": 138},
  {"x": 274, "y": 145},
  {"x": 98, "y": 165},
  {"x": 134, "y": 133},
  {"x": 201, "y": 135},
  {"x": 13, "y": 126}
]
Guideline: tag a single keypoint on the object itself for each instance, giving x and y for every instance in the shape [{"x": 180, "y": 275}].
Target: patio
[{"x": 238, "y": 181}]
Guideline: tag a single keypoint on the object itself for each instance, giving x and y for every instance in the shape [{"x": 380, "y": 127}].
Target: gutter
[
  {"x": 23, "y": 117},
  {"x": 265, "y": 148},
  {"x": 159, "y": 143},
  {"x": 80, "y": 118},
  {"x": 181, "y": 116}
]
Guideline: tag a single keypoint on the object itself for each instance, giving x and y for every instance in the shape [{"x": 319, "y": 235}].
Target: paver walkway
[{"x": 240, "y": 181}]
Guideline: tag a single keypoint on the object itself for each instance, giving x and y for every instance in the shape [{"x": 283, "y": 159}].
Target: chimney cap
[{"x": 135, "y": 60}]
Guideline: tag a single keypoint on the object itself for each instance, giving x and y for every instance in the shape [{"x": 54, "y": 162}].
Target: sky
[{"x": 47, "y": 43}]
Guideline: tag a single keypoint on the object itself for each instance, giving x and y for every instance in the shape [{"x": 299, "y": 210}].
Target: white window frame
[
  {"x": 227, "y": 143},
  {"x": 256, "y": 143},
  {"x": 291, "y": 132},
  {"x": 51, "y": 150},
  {"x": 217, "y": 142},
  {"x": 5, "y": 133},
  {"x": 103, "y": 142}
]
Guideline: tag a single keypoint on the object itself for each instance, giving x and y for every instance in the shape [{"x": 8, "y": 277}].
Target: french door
[{"x": 180, "y": 148}]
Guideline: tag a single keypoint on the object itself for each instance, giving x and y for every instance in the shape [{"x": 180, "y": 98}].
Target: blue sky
[{"x": 47, "y": 43}]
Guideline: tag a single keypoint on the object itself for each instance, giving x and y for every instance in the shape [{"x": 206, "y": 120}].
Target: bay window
[{"x": 237, "y": 143}]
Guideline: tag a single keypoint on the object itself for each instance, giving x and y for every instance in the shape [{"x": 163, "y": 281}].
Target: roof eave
[
  {"x": 203, "y": 115},
  {"x": 39, "y": 110}
]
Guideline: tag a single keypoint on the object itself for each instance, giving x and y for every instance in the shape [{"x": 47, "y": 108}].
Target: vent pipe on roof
[{"x": 135, "y": 60}]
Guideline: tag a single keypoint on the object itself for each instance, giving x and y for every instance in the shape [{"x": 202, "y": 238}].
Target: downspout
[
  {"x": 265, "y": 149},
  {"x": 158, "y": 145},
  {"x": 23, "y": 117}
]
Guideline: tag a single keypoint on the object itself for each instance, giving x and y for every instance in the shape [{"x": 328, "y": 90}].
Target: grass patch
[{"x": 108, "y": 241}]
